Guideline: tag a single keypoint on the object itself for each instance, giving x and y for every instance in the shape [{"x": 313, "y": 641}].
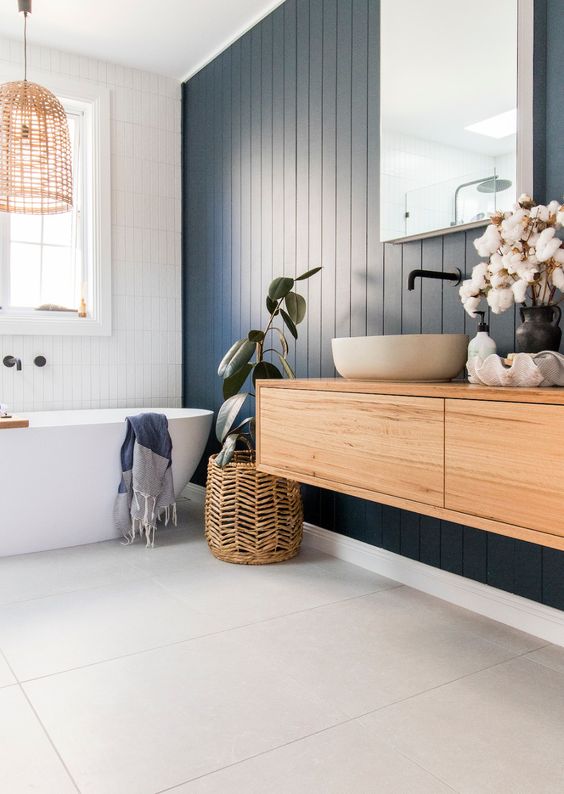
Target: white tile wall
[
  {"x": 428, "y": 172},
  {"x": 140, "y": 364}
]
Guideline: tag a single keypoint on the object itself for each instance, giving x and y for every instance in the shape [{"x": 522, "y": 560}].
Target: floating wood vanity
[{"x": 490, "y": 458}]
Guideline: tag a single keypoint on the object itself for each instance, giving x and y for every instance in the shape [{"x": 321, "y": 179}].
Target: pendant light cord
[{"x": 25, "y": 45}]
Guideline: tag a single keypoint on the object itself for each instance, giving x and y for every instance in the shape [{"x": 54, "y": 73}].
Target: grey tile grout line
[
  {"x": 447, "y": 683},
  {"x": 131, "y": 565},
  {"x": 197, "y": 637},
  {"x": 349, "y": 720},
  {"x": 394, "y": 586},
  {"x": 247, "y": 625},
  {"x": 40, "y": 721},
  {"x": 288, "y": 744}
]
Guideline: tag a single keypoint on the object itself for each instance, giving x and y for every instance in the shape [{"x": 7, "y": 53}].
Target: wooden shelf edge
[
  {"x": 487, "y": 524},
  {"x": 460, "y": 390}
]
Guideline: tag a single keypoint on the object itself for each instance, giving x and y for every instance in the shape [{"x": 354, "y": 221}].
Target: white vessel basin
[{"x": 410, "y": 357}]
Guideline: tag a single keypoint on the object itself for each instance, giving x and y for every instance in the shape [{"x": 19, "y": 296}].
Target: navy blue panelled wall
[{"x": 280, "y": 173}]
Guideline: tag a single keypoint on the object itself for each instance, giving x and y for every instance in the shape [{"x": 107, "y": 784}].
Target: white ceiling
[
  {"x": 446, "y": 65},
  {"x": 169, "y": 37}
]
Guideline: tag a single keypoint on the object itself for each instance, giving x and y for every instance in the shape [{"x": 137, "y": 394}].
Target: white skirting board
[{"x": 513, "y": 610}]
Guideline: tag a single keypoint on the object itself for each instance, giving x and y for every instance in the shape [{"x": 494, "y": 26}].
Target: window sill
[{"x": 57, "y": 324}]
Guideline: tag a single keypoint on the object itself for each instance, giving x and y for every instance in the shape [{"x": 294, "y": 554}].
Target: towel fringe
[{"x": 148, "y": 524}]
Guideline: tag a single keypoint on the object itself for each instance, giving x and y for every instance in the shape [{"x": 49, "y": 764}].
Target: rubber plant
[{"x": 246, "y": 358}]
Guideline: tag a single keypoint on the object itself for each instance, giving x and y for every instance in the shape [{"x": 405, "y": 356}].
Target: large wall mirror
[{"x": 456, "y": 113}]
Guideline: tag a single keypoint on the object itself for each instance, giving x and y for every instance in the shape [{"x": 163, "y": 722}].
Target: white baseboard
[{"x": 513, "y": 610}]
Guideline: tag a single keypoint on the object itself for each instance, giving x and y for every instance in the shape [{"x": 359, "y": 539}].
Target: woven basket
[{"x": 251, "y": 518}]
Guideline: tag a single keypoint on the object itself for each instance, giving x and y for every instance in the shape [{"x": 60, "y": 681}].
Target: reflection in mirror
[{"x": 448, "y": 113}]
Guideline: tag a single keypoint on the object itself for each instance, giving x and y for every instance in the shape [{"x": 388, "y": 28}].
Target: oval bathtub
[{"x": 59, "y": 476}]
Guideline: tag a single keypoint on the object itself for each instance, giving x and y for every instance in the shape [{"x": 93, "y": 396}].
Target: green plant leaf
[
  {"x": 296, "y": 307},
  {"x": 255, "y": 336},
  {"x": 240, "y": 427},
  {"x": 308, "y": 274},
  {"x": 265, "y": 370},
  {"x": 227, "y": 451},
  {"x": 229, "y": 355},
  {"x": 242, "y": 355},
  {"x": 280, "y": 287},
  {"x": 289, "y": 324},
  {"x": 282, "y": 338},
  {"x": 287, "y": 368},
  {"x": 270, "y": 304},
  {"x": 232, "y": 384},
  {"x": 228, "y": 413}
]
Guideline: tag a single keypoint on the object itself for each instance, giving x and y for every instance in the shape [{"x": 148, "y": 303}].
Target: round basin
[{"x": 409, "y": 357}]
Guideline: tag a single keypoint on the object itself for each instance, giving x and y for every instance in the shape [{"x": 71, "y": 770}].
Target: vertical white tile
[{"x": 141, "y": 359}]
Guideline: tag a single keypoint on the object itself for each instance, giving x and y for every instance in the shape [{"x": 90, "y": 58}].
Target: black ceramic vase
[{"x": 539, "y": 329}]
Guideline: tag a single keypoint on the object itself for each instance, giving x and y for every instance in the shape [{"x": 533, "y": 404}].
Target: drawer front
[
  {"x": 506, "y": 461},
  {"x": 391, "y": 445}
]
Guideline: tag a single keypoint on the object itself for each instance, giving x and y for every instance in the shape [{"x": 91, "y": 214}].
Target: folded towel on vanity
[{"x": 146, "y": 490}]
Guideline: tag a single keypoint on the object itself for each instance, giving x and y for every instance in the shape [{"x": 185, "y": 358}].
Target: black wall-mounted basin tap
[
  {"x": 12, "y": 361},
  {"x": 455, "y": 276}
]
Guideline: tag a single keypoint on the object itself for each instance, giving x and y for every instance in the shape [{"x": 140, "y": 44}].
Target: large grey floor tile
[
  {"x": 368, "y": 652},
  {"x": 244, "y": 594},
  {"x": 145, "y": 722},
  {"x": 60, "y": 632},
  {"x": 28, "y": 762},
  {"x": 549, "y": 655},
  {"x": 176, "y": 548},
  {"x": 28, "y": 576},
  {"x": 6, "y": 676},
  {"x": 497, "y": 731},
  {"x": 514, "y": 640},
  {"x": 346, "y": 758}
]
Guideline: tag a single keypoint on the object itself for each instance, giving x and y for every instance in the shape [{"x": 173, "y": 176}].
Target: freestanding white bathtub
[{"x": 59, "y": 476}]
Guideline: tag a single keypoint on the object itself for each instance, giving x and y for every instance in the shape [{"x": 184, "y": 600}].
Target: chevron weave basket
[{"x": 251, "y": 518}]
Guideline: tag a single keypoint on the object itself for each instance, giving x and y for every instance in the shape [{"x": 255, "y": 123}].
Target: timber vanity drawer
[
  {"x": 490, "y": 458},
  {"x": 506, "y": 461},
  {"x": 392, "y": 445}
]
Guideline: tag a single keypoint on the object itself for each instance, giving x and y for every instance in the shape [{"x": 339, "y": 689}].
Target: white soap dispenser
[{"x": 482, "y": 345}]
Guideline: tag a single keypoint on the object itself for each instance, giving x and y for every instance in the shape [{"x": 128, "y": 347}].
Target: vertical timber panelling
[{"x": 281, "y": 160}]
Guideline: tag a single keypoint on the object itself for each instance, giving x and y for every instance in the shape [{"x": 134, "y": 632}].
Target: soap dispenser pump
[{"x": 482, "y": 345}]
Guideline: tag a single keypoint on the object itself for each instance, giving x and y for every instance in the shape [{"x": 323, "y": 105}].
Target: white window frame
[{"x": 94, "y": 101}]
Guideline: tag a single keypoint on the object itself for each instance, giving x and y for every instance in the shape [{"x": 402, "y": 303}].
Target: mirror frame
[{"x": 524, "y": 148}]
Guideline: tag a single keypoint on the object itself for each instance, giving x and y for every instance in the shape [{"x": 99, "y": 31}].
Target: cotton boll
[
  {"x": 545, "y": 236},
  {"x": 558, "y": 278},
  {"x": 520, "y": 290},
  {"x": 500, "y": 299},
  {"x": 559, "y": 256},
  {"x": 489, "y": 242},
  {"x": 553, "y": 207},
  {"x": 479, "y": 275},
  {"x": 496, "y": 263},
  {"x": 528, "y": 274},
  {"x": 540, "y": 212},
  {"x": 499, "y": 280},
  {"x": 547, "y": 245},
  {"x": 512, "y": 262},
  {"x": 470, "y": 305},
  {"x": 467, "y": 289},
  {"x": 560, "y": 216},
  {"x": 549, "y": 251}
]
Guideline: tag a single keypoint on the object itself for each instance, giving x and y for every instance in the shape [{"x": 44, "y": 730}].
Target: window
[{"x": 49, "y": 263}]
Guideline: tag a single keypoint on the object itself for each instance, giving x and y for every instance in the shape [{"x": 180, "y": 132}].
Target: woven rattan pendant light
[{"x": 35, "y": 151}]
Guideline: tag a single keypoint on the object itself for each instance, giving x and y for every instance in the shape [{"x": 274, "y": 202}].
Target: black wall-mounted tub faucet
[
  {"x": 455, "y": 276},
  {"x": 12, "y": 361}
]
